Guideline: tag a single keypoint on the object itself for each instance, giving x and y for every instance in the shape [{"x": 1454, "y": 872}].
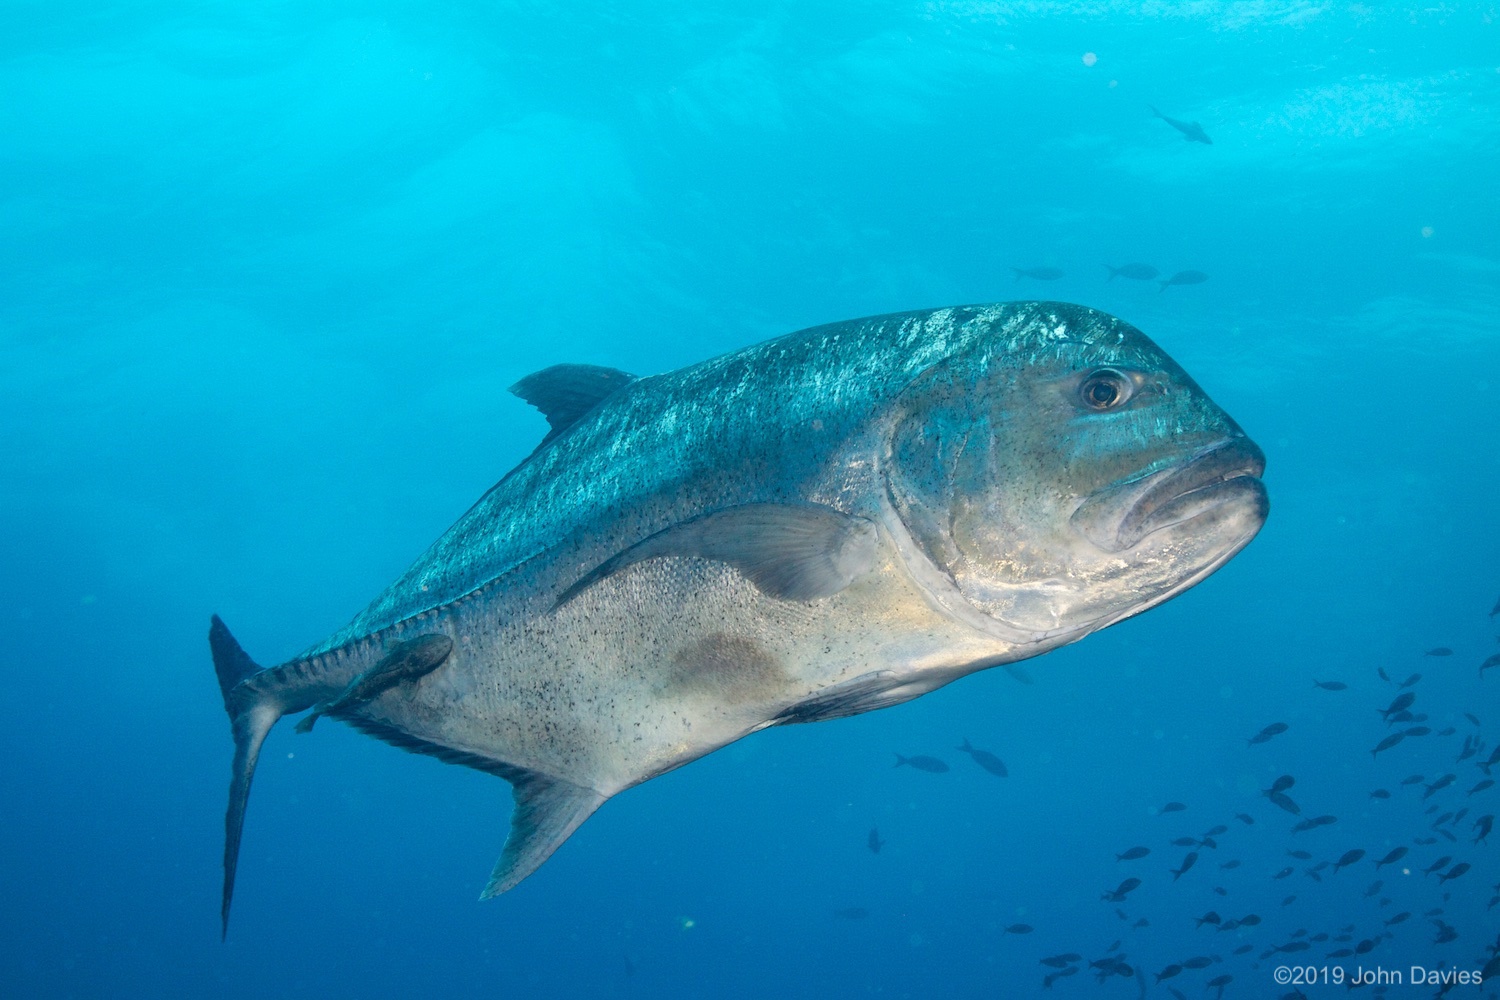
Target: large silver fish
[{"x": 831, "y": 522}]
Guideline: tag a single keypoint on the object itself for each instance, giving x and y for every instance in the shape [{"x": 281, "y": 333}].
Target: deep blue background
[{"x": 268, "y": 269}]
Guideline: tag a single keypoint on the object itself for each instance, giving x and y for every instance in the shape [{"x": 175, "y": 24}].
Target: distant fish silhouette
[
  {"x": 1495, "y": 610},
  {"x": 1136, "y": 272},
  {"x": 1190, "y": 859},
  {"x": 1184, "y": 278},
  {"x": 923, "y": 763},
  {"x": 874, "y": 842},
  {"x": 1493, "y": 661},
  {"x": 1191, "y": 131},
  {"x": 1038, "y": 273},
  {"x": 1173, "y": 807},
  {"x": 1331, "y": 685},
  {"x": 1134, "y": 853},
  {"x": 1439, "y": 651},
  {"x": 985, "y": 759}
]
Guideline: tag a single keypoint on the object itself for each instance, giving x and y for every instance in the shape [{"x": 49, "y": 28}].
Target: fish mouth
[{"x": 1222, "y": 474}]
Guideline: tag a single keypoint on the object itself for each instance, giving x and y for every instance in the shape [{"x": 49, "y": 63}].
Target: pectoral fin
[
  {"x": 547, "y": 811},
  {"x": 865, "y": 693},
  {"x": 794, "y": 551}
]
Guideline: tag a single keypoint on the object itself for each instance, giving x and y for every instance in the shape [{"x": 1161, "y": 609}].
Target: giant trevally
[{"x": 827, "y": 523}]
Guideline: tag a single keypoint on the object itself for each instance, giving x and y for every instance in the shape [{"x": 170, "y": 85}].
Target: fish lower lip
[{"x": 1221, "y": 474}]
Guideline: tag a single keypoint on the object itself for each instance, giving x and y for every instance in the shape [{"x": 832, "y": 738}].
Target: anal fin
[{"x": 547, "y": 811}]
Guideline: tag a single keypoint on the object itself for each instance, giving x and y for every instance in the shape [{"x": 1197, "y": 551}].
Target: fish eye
[{"x": 1104, "y": 389}]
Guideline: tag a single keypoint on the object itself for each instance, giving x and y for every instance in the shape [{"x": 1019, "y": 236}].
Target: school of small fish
[{"x": 1448, "y": 808}]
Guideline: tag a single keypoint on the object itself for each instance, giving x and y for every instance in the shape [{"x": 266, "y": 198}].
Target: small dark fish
[
  {"x": 1400, "y": 717},
  {"x": 1492, "y": 661},
  {"x": 1288, "y": 901},
  {"x": 1449, "y": 836},
  {"x": 1374, "y": 889},
  {"x": 1058, "y": 961},
  {"x": 1187, "y": 863},
  {"x": 1197, "y": 962},
  {"x": 1274, "y": 729},
  {"x": 1471, "y": 747},
  {"x": 1313, "y": 875},
  {"x": 1395, "y": 855},
  {"x": 1191, "y": 131},
  {"x": 1440, "y": 784},
  {"x": 923, "y": 763},
  {"x": 1380, "y": 793},
  {"x": 1133, "y": 854},
  {"x": 1341, "y": 953},
  {"x": 1494, "y": 759},
  {"x": 1331, "y": 685},
  {"x": 1047, "y": 981},
  {"x": 1415, "y": 779},
  {"x": 1121, "y": 914},
  {"x": 1364, "y": 947},
  {"x": 1210, "y": 843},
  {"x": 1399, "y": 918},
  {"x": 1447, "y": 732},
  {"x": 1387, "y": 743},
  {"x": 1217, "y": 831},
  {"x": 1282, "y": 874},
  {"x": 1245, "y": 818},
  {"x": 985, "y": 759},
  {"x": 1143, "y": 922},
  {"x": 1220, "y": 981},
  {"x": 1243, "y": 949},
  {"x": 1173, "y": 807},
  {"x": 1454, "y": 872},
  {"x": 1249, "y": 920},
  {"x": 1219, "y": 890},
  {"x": 1319, "y": 866},
  {"x": 1117, "y": 895},
  {"x": 1017, "y": 929},
  {"x": 1183, "y": 278},
  {"x": 1135, "y": 272},
  {"x": 1444, "y": 934},
  {"x": 852, "y": 913},
  {"x": 1471, "y": 718},
  {"x": 1425, "y": 841},
  {"x": 1229, "y": 925},
  {"x": 1348, "y": 859},
  {"x": 1299, "y": 855},
  {"x": 1168, "y": 972},
  {"x": 1038, "y": 273},
  {"x": 1284, "y": 802},
  {"x": 1184, "y": 842},
  {"x": 1401, "y": 703},
  {"x": 1230, "y": 864},
  {"x": 1483, "y": 825},
  {"x": 1495, "y": 610},
  {"x": 874, "y": 843},
  {"x": 1414, "y": 678},
  {"x": 1418, "y": 731},
  {"x": 1383, "y": 675},
  {"x": 1439, "y": 651},
  {"x": 1282, "y": 783}
]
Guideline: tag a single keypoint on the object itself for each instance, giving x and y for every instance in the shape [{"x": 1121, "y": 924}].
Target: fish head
[{"x": 1058, "y": 472}]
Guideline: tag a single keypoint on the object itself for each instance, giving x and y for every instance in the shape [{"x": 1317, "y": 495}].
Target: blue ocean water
[{"x": 269, "y": 269}]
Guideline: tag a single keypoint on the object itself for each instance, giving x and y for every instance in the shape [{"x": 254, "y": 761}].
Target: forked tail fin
[{"x": 252, "y": 713}]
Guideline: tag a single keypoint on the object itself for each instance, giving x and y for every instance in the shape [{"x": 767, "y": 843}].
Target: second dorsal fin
[{"x": 564, "y": 393}]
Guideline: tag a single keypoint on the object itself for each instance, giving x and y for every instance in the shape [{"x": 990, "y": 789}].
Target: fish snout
[{"x": 1226, "y": 473}]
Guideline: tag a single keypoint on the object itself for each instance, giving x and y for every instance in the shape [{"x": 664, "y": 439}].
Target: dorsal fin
[{"x": 564, "y": 393}]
